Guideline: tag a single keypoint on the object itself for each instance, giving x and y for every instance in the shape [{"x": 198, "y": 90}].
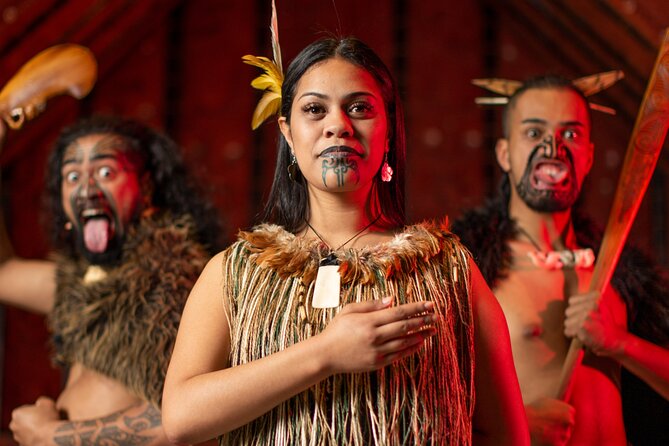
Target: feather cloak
[
  {"x": 426, "y": 398},
  {"x": 124, "y": 326}
]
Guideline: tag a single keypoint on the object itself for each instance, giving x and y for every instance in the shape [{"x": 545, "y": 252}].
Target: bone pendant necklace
[
  {"x": 552, "y": 260},
  {"x": 328, "y": 281}
]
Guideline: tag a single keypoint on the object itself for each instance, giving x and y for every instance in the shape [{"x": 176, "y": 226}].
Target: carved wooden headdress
[{"x": 589, "y": 85}]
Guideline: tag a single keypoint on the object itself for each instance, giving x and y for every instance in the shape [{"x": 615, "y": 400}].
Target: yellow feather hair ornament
[{"x": 270, "y": 82}]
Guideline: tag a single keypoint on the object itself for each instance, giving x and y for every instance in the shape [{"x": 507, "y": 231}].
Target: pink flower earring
[{"x": 386, "y": 170}]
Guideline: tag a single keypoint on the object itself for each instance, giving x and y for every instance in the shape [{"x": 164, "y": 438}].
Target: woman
[{"x": 333, "y": 324}]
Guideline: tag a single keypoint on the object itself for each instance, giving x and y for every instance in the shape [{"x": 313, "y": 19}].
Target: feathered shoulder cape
[
  {"x": 426, "y": 398},
  {"x": 124, "y": 326},
  {"x": 273, "y": 247}
]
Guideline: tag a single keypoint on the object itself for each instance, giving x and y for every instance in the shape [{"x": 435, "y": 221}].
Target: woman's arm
[
  {"x": 499, "y": 416},
  {"x": 204, "y": 398}
]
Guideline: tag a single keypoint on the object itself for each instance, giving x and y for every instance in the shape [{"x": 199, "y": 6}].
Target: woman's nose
[{"x": 338, "y": 125}]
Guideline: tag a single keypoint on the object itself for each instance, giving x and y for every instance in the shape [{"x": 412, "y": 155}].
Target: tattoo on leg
[
  {"x": 113, "y": 430},
  {"x": 340, "y": 167}
]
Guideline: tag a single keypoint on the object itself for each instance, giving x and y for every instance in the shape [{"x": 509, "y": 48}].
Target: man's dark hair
[{"x": 547, "y": 81}]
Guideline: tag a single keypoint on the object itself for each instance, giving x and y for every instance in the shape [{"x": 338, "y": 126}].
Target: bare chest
[
  {"x": 88, "y": 394},
  {"x": 534, "y": 301}
]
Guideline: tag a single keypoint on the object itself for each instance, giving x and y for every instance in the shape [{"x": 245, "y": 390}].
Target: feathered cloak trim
[
  {"x": 124, "y": 326},
  {"x": 426, "y": 398}
]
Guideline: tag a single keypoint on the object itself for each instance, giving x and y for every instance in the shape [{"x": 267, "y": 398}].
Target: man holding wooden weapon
[
  {"x": 642, "y": 348},
  {"x": 527, "y": 247},
  {"x": 132, "y": 236},
  {"x": 536, "y": 251}
]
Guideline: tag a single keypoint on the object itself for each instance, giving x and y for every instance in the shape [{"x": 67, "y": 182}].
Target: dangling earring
[
  {"x": 148, "y": 209},
  {"x": 68, "y": 226},
  {"x": 292, "y": 168},
  {"x": 386, "y": 170},
  {"x": 148, "y": 212}
]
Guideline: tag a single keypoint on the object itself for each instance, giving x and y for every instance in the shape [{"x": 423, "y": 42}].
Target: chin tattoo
[{"x": 340, "y": 167}]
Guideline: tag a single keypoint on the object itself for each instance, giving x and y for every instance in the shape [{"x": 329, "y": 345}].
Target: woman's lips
[{"x": 339, "y": 151}]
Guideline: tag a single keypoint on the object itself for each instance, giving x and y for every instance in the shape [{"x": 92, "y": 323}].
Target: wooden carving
[
  {"x": 589, "y": 85},
  {"x": 61, "y": 69},
  {"x": 643, "y": 151}
]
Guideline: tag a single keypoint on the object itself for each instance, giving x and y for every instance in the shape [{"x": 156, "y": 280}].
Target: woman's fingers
[
  {"x": 406, "y": 327},
  {"x": 367, "y": 306},
  {"x": 402, "y": 338},
  {"x": 368, "y": 335},
  {"x": 403, "y": 312},
  {"x": 384, "y": 314},
  {"x": 399, "y": 348},
  {"x": 400, "y": 322}
]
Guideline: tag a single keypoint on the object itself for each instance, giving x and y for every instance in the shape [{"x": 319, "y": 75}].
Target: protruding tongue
[
  {"x": 96, "y": 234},
  {"x": 551, "y": 173}
]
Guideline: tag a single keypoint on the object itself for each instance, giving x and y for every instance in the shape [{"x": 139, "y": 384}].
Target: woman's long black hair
[{"x": 287, "y": 204}]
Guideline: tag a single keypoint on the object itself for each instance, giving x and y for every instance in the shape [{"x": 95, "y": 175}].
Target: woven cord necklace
[{"x": 328, "y": 281}]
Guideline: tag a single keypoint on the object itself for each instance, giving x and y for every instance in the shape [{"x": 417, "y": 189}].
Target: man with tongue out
[
  {"x": 132, "y": 237},
  {"x": 526, "y": 245}
]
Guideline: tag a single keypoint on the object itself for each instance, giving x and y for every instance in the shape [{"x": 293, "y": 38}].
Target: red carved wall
[{"x": 177, "y": 65}]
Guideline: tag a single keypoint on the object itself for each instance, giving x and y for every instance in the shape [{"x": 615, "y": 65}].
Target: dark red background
[{"x": 176, "y": 64}]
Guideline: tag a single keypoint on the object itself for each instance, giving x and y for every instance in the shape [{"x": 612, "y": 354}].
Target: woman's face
[{"x": 338, "y": 128}]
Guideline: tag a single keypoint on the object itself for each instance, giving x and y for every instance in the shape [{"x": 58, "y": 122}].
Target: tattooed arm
[{"x": 39, "y": 425}]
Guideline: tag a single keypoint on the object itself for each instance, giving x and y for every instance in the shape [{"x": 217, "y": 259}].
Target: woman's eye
[
  {"x": 72, "y": 177},
  {"x": 313, "y": 109},
  {"x": 360, "y": 108}
]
